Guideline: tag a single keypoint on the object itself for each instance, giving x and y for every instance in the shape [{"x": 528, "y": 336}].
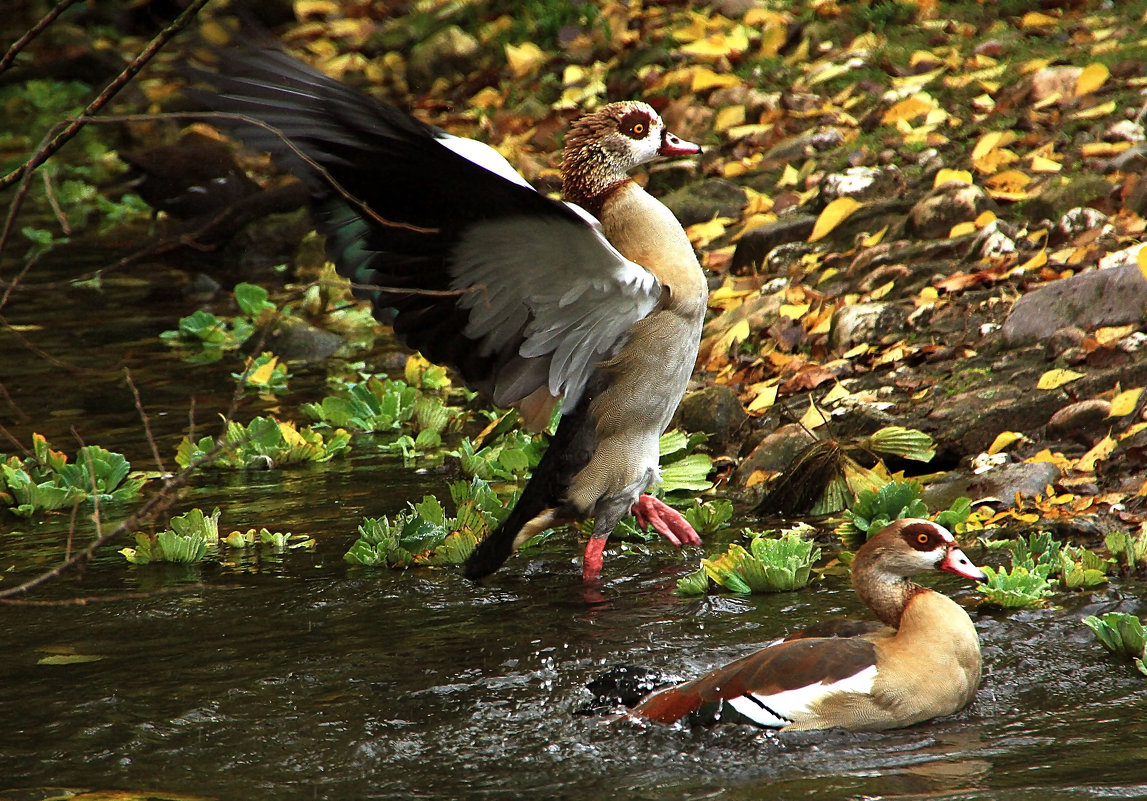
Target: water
[{"x": 297, "y": 676}]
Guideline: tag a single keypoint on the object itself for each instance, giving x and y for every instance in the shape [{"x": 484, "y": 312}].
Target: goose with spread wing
[{"x": 596, "y": 302}]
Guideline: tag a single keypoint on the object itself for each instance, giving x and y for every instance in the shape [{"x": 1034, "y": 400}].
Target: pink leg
[
  {"x": 665, "y": 520},
  {"x": 591, "y": 562}
]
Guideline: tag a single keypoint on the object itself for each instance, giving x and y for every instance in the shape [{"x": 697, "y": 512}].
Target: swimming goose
[
  {"x": 596, "y": 303},
  {"x": 923, "y": 663}
]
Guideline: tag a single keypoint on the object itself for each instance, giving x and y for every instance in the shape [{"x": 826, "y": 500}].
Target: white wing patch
[
  {"x": 483, "y": 155},
  {"x": 557, "y": 282},
  {"x": 780, "y": 709}
]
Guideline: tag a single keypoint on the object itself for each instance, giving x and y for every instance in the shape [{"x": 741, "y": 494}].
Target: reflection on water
[{"x": 296, "y": 676}]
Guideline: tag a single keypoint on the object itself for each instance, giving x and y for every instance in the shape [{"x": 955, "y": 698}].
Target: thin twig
[
  {"x": 33, "y": 32},
  {"x": 61, "y": 217},
  {"x": 146, "y": 423},
  {"x": 104, "y": 97}
]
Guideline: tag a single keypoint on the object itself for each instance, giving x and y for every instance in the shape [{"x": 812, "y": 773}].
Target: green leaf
[
  {"x": 696, "y": 583},
  {"x": 908, "y": 443}
]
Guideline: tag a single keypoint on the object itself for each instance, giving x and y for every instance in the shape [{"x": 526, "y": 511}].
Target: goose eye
[
  {"x": 922, "y": 539},
  {"x": 639, "y": 128}
]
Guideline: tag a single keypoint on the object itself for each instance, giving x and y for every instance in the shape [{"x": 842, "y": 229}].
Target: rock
[
  {"x": 1000, "y": 484},
  {"x": 702, "y": 201},
  {"x": 950, "y": 203},
  {"x": 1063, "y": 340},
  {"x": 774, "y": 453},
  {"x": 863, "y": 184},
  {"x": 450, "y": 51},
  {"x": 1125, "y": 131},
  {"x": 859, "y": 323},
  {"x": 296, "y": 340},
  {"x": 1053, "y": 82},
  {"x": 1115, "y": 296},
  {"x": 1086, "y": 417},
  {"x": 1077, "y": 220},
  {"x": 1082, "y": 190},
  {"x": 754, "y": 246},
  {"x": 805, "y": 145},
  {"x": 1121, "y": 258},
  {"x": 715, "y": 410}
]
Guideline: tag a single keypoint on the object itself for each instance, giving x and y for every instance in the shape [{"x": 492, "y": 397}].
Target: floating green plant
[
  {"x": 1074, "y": 567},
  {"x": 214, "y": 335},
  {"x": 266, "y": 443},
  {"x": 682, "y": 469},
  {"x": 425, "y": 535},
  {"x": 509, "y": 457},
  {"x": 377, "y": 404},
  {"x": 769, "y": 564},
  {"x": 1129, "y": 549},
  {"x": 709, "y": 516},
  {"x": 279, "y": 540},
  {"x": 1121, "y": 634},
  {"x": 1019, "y": 589},
  {"x": 185, "y": 542},
  {"x": 46, "y": 480},
  {"x": 264, "y": 373}
]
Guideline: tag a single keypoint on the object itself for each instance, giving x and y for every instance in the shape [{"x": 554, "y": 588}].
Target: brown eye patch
[
  {"x": 635, "y": 124},
  {"x": 922, "y": 537}
]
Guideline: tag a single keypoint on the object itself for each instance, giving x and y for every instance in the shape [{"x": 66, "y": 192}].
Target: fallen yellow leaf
[
  {"x": 833, "y": 215},
  {"x": 1043, "y": 164},
  {"x": 1053, "y": 379},
  {"x": 1098, "y": 453},
  {"x": 1141, "y": 260},
  {"x": 1004, "y": 440},
  {"x": 1034, "y": 19},
  {"x": 837, "y": 392},
  {"x": 524, "y": 59},
  {"x": 764, "y": 397},
  {"x": 705, "y": 79},
  {"x": 1109, "y": 335},
  {"x": 908, "y": 109},
  {"x": 789, "y": 176},
  {"x": 1093, "y": 76},
  {"x": 946, "y": 174},
  {"x": 962, "y": 229},
  {"x": 701, "y": 234},
  {"x": 265, "y": 371},
  {"x": 881, "y": 291},
  {"x": 1034, "y": 263},
  {"x": 813, "y": 418},
  {"x": 1095, "y": 112},
  {"x": 1125, "y": 402},
  {"x": 872, "y": 240},
  {"x": 728, "y": 117}
]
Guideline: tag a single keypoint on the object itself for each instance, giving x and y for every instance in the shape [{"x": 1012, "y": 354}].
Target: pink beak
[
  {"x": 956, "y": 562},
  {"x": 673, "y": 145}
]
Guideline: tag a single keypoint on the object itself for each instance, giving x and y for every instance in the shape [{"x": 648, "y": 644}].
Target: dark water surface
[{"x": 296, "y": 676}]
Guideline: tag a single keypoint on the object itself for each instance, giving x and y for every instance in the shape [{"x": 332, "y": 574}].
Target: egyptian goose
[
  {"x": 923, "y": 663},
  {"x": 596, "y": 302}
]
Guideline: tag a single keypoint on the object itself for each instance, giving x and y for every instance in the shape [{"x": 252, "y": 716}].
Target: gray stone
[
  {"x": 864, "y": 322},
  {"x": 703, "y": 201},
  {"x": 774, "y": 453},
  {"x": 715, "y": 410},
  {"x": 950, "y": 203},
  {"x": 1000, "y": 485},
  {"x": 1117, "y": 296}
]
